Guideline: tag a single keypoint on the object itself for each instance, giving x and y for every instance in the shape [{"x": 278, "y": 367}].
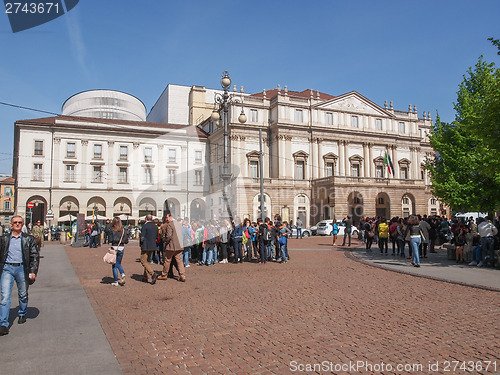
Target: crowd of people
[
  {"x": 474, "y": 240},
  {"x": 180, "y": 243}
]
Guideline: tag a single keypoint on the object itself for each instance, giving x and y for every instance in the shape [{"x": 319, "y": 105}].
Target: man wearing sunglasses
[{"x": 19, "y": 262}]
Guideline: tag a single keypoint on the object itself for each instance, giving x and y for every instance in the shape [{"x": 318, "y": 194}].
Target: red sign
[{"x": 30, "y": 205}]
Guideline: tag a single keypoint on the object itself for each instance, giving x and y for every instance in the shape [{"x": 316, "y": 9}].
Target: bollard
[{"x": 63, "y": 238}]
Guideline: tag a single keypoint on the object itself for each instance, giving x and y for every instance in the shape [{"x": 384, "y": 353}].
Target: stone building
[
  {"x": 102, "y": 159},
  {"x": 7, "y": 189},
  {"x": 323, "y": 157}
]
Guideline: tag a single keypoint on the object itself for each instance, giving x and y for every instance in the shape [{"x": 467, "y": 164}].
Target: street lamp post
[{"x": 222, "y": 104}]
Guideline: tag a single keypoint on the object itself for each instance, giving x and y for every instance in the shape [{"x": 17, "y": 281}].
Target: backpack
[
  {"x": 266, "y": 234},
  {"x": 211, "y": 236},
  {"x": 335, "y": 229},
  {"x": 244, "y": 239},
  {"x": 187, "y": 239}
]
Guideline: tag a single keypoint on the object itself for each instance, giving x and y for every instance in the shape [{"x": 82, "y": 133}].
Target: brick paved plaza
[{"x": 320, "y": 307}]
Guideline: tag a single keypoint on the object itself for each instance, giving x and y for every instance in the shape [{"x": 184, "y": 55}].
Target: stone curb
[{"x": 349, "y": 254}]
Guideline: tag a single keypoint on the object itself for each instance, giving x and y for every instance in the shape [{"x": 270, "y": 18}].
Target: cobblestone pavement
[{"x": 319, "y": 308}]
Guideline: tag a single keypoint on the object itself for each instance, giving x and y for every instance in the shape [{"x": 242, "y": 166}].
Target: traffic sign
[
  {"x": 50, "y": 212},
  {"x": 30, "y": 205},
  {"x": 49, "y": 217}
]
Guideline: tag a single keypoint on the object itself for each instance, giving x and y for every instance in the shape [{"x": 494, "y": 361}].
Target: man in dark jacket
[
  {"x": 149, "y": 235},
  {"x": 18, "y": 261},
  {"x": 347, "y": 231}
]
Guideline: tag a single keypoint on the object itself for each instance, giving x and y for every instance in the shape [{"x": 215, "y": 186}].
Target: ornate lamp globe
[
  {"x": 225, "y": 81},
  {"x": 215, "y": 116},
  {"x": 242, "y": 118}
]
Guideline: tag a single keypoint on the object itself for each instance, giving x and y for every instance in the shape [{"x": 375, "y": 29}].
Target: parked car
[
  {"x": 314, "y": 229},
  {"x": 305, "y": 232},
  {"x": 325, "y": 228}
]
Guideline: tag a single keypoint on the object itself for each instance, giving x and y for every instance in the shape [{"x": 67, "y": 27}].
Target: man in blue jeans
[
  {"x": 348, "y": 227},
  {"x": 299, "y": 225},
  {"x": 19, "y": 262}
]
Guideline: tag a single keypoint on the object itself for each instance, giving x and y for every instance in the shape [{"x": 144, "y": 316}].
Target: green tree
[{"x": 465, "y": 172}]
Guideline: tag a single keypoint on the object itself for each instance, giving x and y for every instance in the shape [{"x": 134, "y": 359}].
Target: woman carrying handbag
[{"x": 119, "y": 237}]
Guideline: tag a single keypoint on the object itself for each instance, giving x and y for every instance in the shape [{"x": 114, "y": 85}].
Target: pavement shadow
[
  {"x": 32, "y": 313},
  {"x": 107, "y": 280}
]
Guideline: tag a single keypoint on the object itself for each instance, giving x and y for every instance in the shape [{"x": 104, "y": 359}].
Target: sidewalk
[
  {"x": 62, "y": 334},
  {"x": 435, "y": 266}
]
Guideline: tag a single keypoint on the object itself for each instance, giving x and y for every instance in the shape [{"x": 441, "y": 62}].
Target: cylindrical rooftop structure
[{"x": 108, "y": 104}]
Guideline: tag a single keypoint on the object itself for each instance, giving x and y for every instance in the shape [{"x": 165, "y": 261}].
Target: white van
[{"x": 468, "y": 215}]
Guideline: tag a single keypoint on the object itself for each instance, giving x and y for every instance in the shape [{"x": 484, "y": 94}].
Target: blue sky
[{"x": 405, "y": 51}]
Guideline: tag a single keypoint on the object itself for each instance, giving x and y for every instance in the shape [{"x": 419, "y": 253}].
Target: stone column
[
  {"x": 321, "y": 165},
  {"x": 346, "y": 158},
  {"x": 313, "y": 158},
  {"x": 57, "y": 166},
  {"x": 370, "y": 156},
  {"x": 160, "y": 169},
  {"x": 135, "y": 168},
  {"x": 366, "y": 158},
  {"x": 84, "y": 164},
  {"x": 281, "y": 152},
  {"x": 417, "y": 164},
  {"x": 110, "y": 176},
  {"x": 341, "y": 158}
]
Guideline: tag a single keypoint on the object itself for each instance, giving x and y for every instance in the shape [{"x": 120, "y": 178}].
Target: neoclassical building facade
[{"x": 323, "y": 157}]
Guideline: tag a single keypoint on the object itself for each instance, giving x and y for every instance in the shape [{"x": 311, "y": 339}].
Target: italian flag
[{"x": 388, "y": 162}]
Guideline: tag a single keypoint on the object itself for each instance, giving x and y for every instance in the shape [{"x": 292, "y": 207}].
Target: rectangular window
[
  {"x": 254, "y": 169},
  {"x": 6, "y": 205},
  {"x": 123, "y": 153},
  {"x": 329, "y": 169},
  {"x": 355, "y": 170},
  {"x": 402, "y": 128},
  {"x": 404, "y": 173},
  {"x": 254, "y": 115},
  {"x": 38, "y": 148},
  {"x": 299, "y": 117},
  {"x": 380, "y": 171},
  {"x": 8, "y": 191},
  {"x": 198, "y": 177},
  {"x": 379, "y": 124},
  {"x": 97, "y": 174},
  {"x": 171, "y": 155},
  {"x": 299, "y": 170},
  {"x": 123, "y": 175},
  {"x": 197, "y": 157},
  {"x": 70, "y": 173},
  {"x": 37, "y": 172},
  {"x": 97, "y": 151},
  {"x": 171, "y": 176},
  {"x": 148, "y": 154},
  {"x": 70, "y": 150},
  {"x": 355, "y": 123},
  {"x": 148, "y": 175},
  {"x": 329, "y": 118}
]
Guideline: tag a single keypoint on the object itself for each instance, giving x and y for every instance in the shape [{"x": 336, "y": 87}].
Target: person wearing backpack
[
  {"x": 225, "y": 232},
  {"x": 187, "y": 242},
  {"x": 212, "y": 238},
  {"x": 284, "y": 232},
  {"x": 262, "y": 236},
  {"x": 383, "y": 235},
  {"x": 237, "y": 234}
]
